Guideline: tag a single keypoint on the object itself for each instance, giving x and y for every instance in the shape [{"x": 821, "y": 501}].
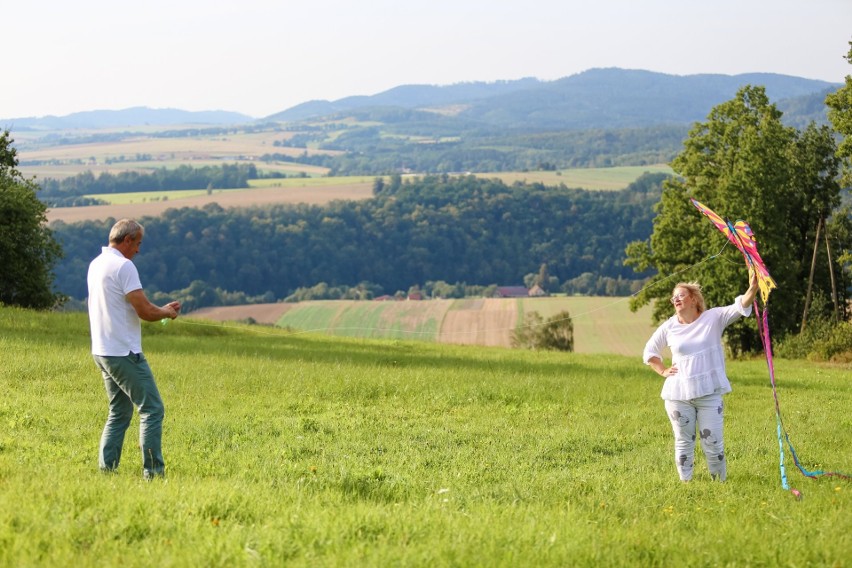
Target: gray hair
[{"x": 124, "y": 228}]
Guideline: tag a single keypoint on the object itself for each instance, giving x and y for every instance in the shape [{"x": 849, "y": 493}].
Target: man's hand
[{"x": 148, "y": 311}]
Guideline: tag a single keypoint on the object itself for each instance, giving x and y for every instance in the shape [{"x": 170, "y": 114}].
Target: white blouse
[{"x": 697, "y": 352}]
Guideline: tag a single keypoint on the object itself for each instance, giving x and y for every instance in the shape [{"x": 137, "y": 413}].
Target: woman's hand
[
  {"x": 657, "y": 364},
  {"x": 751, "y": 293},
  {"x": 669, "y": 372}
]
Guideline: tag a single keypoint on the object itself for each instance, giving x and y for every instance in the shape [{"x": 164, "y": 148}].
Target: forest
[{"x": 434, "y": 228}]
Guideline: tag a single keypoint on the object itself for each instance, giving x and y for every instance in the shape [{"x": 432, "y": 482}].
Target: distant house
[
  {"x": 537, "y": 291},
  {"x": 511, "y": 292},
  {"x": 415, "y": 296}
]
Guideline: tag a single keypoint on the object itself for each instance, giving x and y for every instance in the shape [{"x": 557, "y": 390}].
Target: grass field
[
  {"x": 303, "y": 450},
  {"x": 587, "y": 178}
]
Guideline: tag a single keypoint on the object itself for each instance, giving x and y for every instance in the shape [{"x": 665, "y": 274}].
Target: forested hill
[
  {"x": 437, "y": 228},
  {"x": 598, "y": 98}
]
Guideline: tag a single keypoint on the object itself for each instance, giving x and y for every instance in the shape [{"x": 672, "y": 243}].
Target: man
[{"x": 116, "y": 304}]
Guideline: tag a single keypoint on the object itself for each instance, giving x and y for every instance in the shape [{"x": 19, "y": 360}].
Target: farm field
[
  {"x": 613, "y": 178},
  {"x": 309, "y": 190},
  {"x": 306, "y": 193},
  {"x": 42, "y": 156},
  {"x": 148, "y": 152},
  {"x": 309, "y": 450},
  {"x": 601, "y": 324}
]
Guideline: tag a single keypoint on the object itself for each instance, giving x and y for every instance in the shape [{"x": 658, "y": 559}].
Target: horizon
[
  {"x": 222, "y": 110},
  {"x": 260, "y": 58}
]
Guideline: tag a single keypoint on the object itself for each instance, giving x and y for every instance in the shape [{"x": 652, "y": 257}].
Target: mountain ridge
[{"x": 596, "y": 98}]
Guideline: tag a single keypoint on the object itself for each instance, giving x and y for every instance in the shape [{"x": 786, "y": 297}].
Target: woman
[{"x": 696, "y": 380}]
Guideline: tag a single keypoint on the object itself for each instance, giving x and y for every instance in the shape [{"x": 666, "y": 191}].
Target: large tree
[
  {"x": 840, "y": 114},
  {"x": 744, "y": 164},
  {"x": 28, "y": 250}
]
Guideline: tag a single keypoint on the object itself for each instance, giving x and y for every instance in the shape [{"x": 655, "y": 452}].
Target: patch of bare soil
[{"x": 490, "y": 321}]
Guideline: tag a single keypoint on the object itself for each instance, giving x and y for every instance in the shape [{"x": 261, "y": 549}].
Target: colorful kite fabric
[{"x": 742, "y": 237}]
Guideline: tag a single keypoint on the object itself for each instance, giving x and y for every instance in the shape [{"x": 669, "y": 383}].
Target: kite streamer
[{"x": 741, "y": 236}]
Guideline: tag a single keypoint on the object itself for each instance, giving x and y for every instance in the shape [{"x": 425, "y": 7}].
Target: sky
[{"x": 260, "y": 57}]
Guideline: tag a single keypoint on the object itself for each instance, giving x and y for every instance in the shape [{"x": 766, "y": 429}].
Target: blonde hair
[{"x": 694, "y": 290}]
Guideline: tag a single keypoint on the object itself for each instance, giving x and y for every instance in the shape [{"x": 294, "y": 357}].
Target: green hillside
[{"x": 300, "y": 450}]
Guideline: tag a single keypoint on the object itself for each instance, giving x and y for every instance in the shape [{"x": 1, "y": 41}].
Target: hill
[
  {"x": 598, "y": 118},
  {"x": 302, "y": 450},
  {"x": 597, "y": 98},
  {"x": 126, "y": 118}
]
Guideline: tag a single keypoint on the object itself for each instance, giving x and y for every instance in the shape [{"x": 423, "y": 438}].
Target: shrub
[{"x": 557, "y": 334}]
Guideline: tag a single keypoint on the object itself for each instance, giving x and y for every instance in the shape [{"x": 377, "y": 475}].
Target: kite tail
[{"x": 763, "y": 328}]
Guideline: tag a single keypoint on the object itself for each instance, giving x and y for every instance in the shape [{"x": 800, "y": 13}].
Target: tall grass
[{"x": 310, "y": 451}]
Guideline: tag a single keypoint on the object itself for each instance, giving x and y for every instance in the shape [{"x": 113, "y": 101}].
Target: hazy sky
[{"x": 260, "y": 57}]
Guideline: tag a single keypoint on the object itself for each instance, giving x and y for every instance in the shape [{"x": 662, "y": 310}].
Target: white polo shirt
[{"x": 115, "y": 326}]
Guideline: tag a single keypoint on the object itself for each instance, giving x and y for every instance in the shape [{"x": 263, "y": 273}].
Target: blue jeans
[{"x": 129, "y": 382}]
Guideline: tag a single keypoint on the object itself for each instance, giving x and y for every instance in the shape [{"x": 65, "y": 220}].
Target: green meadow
[
  {"x": 613, "y": 178},
  {"x": 292, "y": 449}
]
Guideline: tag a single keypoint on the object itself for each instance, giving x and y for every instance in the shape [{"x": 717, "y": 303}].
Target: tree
[
  {"x": 744, "y": 164},
  {"x": 840, "y": 114},
  {"x": 28, "y": 250}
]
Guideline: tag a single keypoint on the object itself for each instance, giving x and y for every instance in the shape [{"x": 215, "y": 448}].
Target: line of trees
[{"x": 70, "y": 191}]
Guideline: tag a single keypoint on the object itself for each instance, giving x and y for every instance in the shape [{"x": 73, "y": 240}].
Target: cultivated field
[
  {"x": 306, "y": 193},
  {"x": 147, "y": 152},
  {"x": 43, "y": 156},
  {"x": 287, "y": 449},
  {"x": 601, "y": 325}
]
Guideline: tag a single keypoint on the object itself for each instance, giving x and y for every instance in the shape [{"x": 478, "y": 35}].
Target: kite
[{"x": 742, "y": 237}]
